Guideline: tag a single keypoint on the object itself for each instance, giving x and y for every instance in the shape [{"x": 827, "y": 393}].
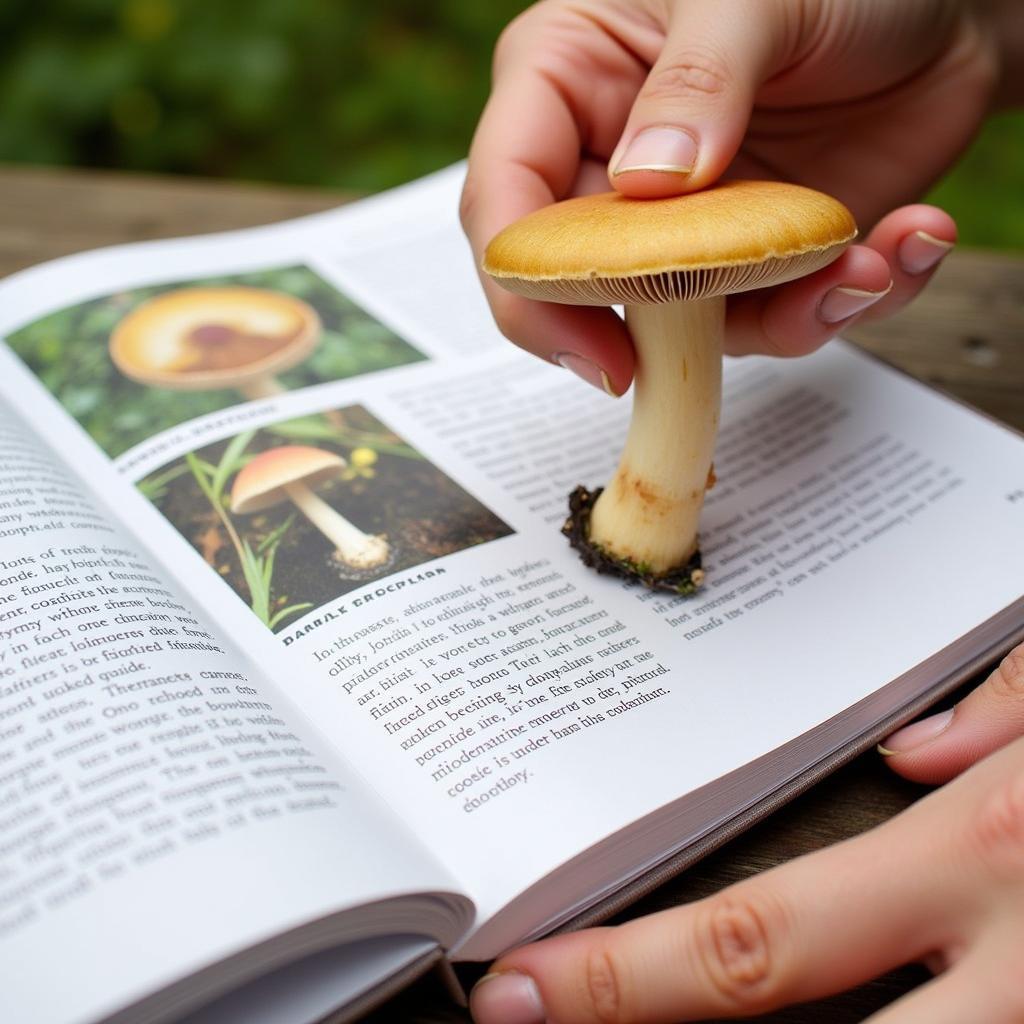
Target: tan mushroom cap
[
  {"x": 606, "y": 249},
  {"x": 199, "y": 338},
  {"x": 261, "y": 483}
]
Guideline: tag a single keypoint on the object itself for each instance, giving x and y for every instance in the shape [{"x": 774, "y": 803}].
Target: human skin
[
  {"x": 941, "y": 883},
  {"x": 870, "y": 101},
  {"x": 866, "y": 100}
]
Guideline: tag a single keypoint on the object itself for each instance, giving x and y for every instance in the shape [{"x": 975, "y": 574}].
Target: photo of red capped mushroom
[
  {"x": 293, "y": 473},
  {"x": 132, "y": 364},
  {"x": 298, "y": 513}
]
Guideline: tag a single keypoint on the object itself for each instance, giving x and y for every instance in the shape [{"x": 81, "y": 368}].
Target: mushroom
[
  {"x": 291, "y": 473},
  {"x": 198, "y": 339},
  {"x": 671, "y": 262}
]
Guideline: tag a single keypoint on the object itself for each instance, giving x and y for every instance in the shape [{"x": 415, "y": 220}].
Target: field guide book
[{"x": 301, "y": 689}]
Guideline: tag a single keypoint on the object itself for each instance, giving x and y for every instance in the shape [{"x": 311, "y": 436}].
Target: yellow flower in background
[{"x": 360, "y": 464}]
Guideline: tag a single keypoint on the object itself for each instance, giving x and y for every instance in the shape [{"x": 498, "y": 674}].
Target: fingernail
[
  {"x": 585, "y": 369},
  {"x": 842, "y": 303},
  {"x": 920, "y": 252},
  {"x": 506, "y": 998},
  {"x": 917, "y": 733},
  {"x": 670, "y": 150}
]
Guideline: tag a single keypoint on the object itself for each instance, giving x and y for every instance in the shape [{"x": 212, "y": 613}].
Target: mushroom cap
[
  {"x": 261, "y": 483},
  {"x": 606, "y": 249},
  {"x": 201, "y": 338}
]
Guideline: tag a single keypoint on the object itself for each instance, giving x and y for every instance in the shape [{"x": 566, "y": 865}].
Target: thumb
[
  {"x": 937, "y": 748},
  {"x": 692, "y": 112}
]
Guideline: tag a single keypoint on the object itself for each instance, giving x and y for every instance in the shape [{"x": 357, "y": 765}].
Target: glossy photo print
[
  {"x": 301, "y": 512},
  {"x": 134, "y": 363}
]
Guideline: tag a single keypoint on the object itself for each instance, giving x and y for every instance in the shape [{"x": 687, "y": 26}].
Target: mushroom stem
[
  {"x": 267, "y": 386},
  {"x": 648, "y": 513},
  {"x": 355, "y": 548}
]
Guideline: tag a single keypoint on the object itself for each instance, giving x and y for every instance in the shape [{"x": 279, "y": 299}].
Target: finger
[
  {"x": 506, "y": 179},
  {"x": 758, "y": 945},
  {"x": 525, "y": 155},
  {"x": 914, "y": 241},
  {"x": 590, "y": 342},
  {"x": 941, "y": 746},
  {"x": 796, "y": 318},
  {"x": 953, "y": 998},
  {"x": 692, "y": 112}
]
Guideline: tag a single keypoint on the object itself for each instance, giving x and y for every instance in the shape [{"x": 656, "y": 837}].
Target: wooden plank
[
  {"x": 50, "y": 213},
  {"x": 965, "y": 333}
]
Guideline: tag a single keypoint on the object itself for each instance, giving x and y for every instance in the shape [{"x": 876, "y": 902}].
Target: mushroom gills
[{"x": 671, "y": 262}]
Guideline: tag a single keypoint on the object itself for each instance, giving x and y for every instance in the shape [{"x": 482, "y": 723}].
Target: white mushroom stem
[
  {"x": 355, "y": 548},
  {"x": 266, "y": 386},
  {"x": 648, "y": 513},
  {"x": 269, "y": 386}
]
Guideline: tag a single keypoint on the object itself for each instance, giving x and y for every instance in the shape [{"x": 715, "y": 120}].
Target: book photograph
[
  {"x": 131, "y": 364},
  {"x": 298, "y": 513}
]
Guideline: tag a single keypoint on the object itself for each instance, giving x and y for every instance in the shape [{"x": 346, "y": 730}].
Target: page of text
[{"x": 145, "y": 775}]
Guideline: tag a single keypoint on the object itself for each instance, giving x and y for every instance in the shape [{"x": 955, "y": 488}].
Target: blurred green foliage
[
  {"x": 68, "y": 352},
  {"x": 324, "y": 92},
  {"x": 331, "y": 92},
  {"x": 985, "y": 192}
]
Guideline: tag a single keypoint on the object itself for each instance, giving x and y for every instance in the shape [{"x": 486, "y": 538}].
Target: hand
[
  {"x": 942, "y": 883},
  {"x": 941, "y": 746},
  {"x": 868, "y": 100}
]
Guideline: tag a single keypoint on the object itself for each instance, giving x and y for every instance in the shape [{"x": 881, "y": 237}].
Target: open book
[{"x": 302, "y": 690}]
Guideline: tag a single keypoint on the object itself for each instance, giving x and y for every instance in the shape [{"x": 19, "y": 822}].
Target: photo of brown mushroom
[
  {"x": 130, "y": 365},
  {"x": 202, "y": 339},
  {"x": 298, "y": 513},
  {"x": 670, "y": 263}
]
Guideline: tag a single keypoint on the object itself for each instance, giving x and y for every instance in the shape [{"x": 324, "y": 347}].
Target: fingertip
[
  {"x": 923, "y": 769},
  {"x": 665, "y": 160},
  {"x": 921, "y": 251},
  {"x": 655, "y": 163},
  {"x": 913, "y": 240},
  {"x": 915, "y": 217},
  {"x": 593, "y": 343},
  {"x": 506, "y": 997},
  {"x": 941, "y": 746},
  {"x": 648, "y": 183},
  {"x": 860, "y": 267},
  {"x": 525, "y": 983},
  {"x": 926, "y": 751}
]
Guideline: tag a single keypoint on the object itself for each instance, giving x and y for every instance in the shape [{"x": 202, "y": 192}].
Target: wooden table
[{"x": 965, "y": 334}]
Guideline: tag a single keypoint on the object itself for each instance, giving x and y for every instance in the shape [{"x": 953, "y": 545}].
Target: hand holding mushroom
[
  {"x": 671, "y": 262},
  {"x": 867, "y": 101}
]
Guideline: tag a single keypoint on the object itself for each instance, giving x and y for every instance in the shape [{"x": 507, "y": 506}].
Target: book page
[
  {"x": 527, "y": 696},
  {"x": 141, "y": 764},
  {"x": 413, "y": 594}
]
